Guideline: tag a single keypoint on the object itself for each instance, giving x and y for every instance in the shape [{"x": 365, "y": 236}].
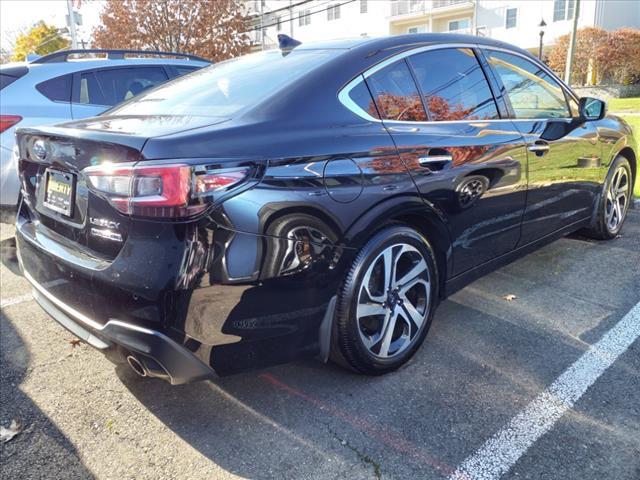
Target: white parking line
[
  {"x": 503, "y": 450},
  {"x": 28, "y": 296},
  {"x": 15, "y": 300}
]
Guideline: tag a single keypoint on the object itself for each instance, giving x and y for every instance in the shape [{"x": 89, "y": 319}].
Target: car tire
[
  {"x": 386, "y": 303},
  {"x": 614, "y": 201}
]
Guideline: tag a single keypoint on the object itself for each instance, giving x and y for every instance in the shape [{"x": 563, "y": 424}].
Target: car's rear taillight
[
  {"x": 166, "y": 190},
  {"x": 8, "y": 121}
]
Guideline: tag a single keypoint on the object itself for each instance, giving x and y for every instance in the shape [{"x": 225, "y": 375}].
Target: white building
[{"x": 514, "y": 21}]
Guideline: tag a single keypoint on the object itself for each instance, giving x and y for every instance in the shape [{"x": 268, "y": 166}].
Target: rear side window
[
  {"x": 57, "y": 89},
  {"x": 362, "y": 98},
  {"x": 396, "y": 94},
  {"x": 532, "y": 92},
  {"x": 112, "y": 86},
  {"x": 453, "y": 85},
  {"x": 182, "y": 70},
  {"x": 8, "y": 75},
  {"x": 6, "y": 80}
]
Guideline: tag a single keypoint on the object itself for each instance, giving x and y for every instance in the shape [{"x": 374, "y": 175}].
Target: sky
[{"x": 16, "y": 15}]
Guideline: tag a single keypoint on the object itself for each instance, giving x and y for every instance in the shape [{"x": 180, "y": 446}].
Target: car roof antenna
[{"x": 286, "y": 43}]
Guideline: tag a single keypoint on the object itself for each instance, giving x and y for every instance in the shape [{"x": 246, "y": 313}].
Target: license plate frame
[{"x": 59, "y": 192}]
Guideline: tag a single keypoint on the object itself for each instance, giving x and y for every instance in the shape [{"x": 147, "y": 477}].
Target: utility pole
[
  {"x": 572, "y": 45},
  {"x": 262, "y": 24},
  {"x": 71, "y": 20},
  {"x": 290, "y": 19}
]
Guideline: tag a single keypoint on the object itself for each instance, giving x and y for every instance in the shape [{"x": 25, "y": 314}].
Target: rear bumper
[
  {"x": 186, "y": 299},
  {"x": 161, "y": 356}
]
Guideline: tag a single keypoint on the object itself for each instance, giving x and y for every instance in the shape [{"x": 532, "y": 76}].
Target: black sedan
[{"x": 312, "y": 201}]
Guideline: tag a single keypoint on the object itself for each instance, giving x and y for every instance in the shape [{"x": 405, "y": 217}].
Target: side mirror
[{"x": 592, "y": 109}]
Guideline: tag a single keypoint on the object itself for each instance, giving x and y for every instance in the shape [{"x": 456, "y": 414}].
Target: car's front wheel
[
  {"x": 387, "y": 301},
  {"x": 614, "y": 202}
]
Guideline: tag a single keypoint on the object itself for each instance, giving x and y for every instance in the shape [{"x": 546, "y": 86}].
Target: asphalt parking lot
[{"x": 477, "y": 382}]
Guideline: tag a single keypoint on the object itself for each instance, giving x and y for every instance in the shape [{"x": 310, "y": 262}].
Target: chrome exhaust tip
[{"x": 136, "y": 366}]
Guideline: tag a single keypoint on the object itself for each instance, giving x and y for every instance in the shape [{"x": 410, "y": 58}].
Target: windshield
[{"x": 227, "y": 87}]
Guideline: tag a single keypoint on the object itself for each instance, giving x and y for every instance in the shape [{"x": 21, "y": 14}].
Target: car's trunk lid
[
  {"x": 56, "y": 192},
  {"x": 52, "y": 160}
]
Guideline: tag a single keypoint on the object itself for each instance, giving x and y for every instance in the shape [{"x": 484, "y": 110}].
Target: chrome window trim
[
  {"x": 413, "y": 51},
  {"x": 345, "y": 99}
]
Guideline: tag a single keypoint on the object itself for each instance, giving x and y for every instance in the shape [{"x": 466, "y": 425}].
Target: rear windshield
[{"x": 227, "y": 87}]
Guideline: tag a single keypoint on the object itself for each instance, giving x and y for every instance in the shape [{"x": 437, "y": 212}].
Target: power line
[
  {"x": 292, "y": 18},
  {"x": 283, "y": 19},
  {"x": 290, "y": 6}
]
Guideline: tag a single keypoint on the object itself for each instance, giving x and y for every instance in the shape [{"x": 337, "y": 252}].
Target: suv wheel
[{"x": 386, "y": 303}]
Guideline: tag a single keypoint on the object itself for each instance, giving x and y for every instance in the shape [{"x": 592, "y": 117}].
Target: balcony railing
[
  {"x": 405, "y": 7},
  {"x": 413, "y": 7},
  {"x": 448, "y": 3}
]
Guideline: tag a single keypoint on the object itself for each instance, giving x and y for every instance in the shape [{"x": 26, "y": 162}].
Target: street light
[{"x": 542, "y": 24}]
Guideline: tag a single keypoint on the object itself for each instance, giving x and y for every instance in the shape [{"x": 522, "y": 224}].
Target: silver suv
[{"x": 74, "y": 84}]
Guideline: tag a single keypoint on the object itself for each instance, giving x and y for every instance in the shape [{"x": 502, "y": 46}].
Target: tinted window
[
  {"x": 453, "y": 85},
  {"x": 361, "y": 97},
  {"x": 183, "y": 70},
  {"x": 57, "y": 89},
  {"x": 533, "y": 93},
  {"x": 226, "y": 87},
  {"x": 8, "y": 75},
  {"x": 573, "y": 106},
  {"x": 6, "y": 80},
  {"x": 395, "y": 93},
  {"x": 112, "y": 86}
]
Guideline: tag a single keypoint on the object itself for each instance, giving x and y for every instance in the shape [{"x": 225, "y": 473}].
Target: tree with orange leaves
[{"x": 209, "y": 28}]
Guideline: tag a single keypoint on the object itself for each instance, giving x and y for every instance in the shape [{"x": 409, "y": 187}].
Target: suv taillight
[
  {"x": 8, "y": 121},
  {"x": 167, "y": 190}
]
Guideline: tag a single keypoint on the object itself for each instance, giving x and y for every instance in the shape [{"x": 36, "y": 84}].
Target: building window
[
  {"x": 363, "y": 6},
  {"x": 571, "y": 5},
  {"x": 563, "y": 10},
  {"x": 420, "y": 29},
  {"x": 457, "y": 25},
  {"x": 278, "y": 24},
  {"x": 511, "y": 18},
  {"x": 304, "y": 18},
  {"x": 333, "y": 12}
]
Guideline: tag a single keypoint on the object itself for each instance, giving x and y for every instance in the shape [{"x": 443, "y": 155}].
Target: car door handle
[
  {"x": 431, "y": 159},
  {"x": 539, "y": 148}
]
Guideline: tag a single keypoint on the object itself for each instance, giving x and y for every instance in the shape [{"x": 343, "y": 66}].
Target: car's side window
[
  {"x": 362, "y": 98},
  {"x": 573, "y": 106},
  {"x": 112, "y": 86},
  {"x": 396, "y": 94},
  {"x": 459, "y": 91},
  {"x": 56, "y": 89},
  {"x": 182, "y": 70},
  {"x": 532, "y": 92}
]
